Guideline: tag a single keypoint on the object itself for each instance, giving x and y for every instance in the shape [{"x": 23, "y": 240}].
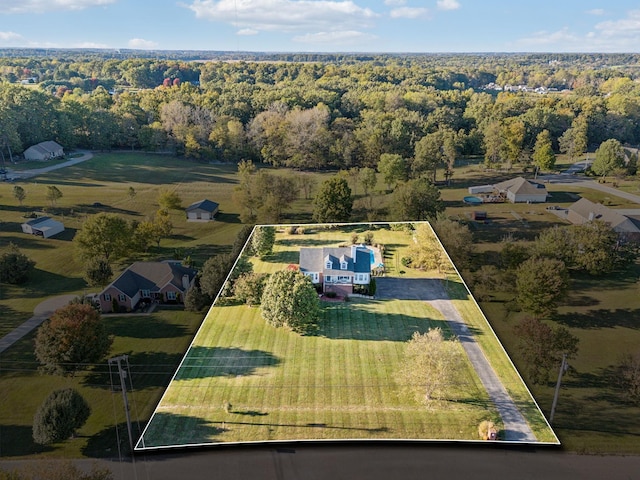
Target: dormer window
[
  {"x": 343, "y": 265},
  {"x": 328, "y": 265}
]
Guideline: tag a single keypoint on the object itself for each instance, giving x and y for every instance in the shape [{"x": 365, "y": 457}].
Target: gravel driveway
[{"x": 432, "y": 291}]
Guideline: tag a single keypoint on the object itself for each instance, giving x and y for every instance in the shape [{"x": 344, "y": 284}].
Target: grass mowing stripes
[{"x": 337, "y": 382}]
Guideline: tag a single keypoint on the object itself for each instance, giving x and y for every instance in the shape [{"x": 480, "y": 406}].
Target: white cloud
[
  {"x": 622, "y": 35},
  {"x": 40, "y": 6},
  {"x": 10, "y": 36},
  {"x": 596, "y": 11},
  {"x": 285, "y": 15},
  {"x": 341, "y": 38},
  {"x": 142, "y": 44},
  {"x": 448, "y": 4},
  {"x": 90, "y": 45},
  {"x": 408, "y": 12},
  {"x": 625, "y": 27},
  {"x": 247, "y": 31},
  {"x": 395, "y": 3}
]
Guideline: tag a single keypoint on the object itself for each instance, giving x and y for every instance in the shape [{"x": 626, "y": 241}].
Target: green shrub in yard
[
  {"x": 59, "y": 416},
  {"x": 15, "y": 266}
]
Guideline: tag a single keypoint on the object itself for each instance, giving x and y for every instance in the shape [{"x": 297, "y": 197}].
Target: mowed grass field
[{"x": 337, "y": 383}]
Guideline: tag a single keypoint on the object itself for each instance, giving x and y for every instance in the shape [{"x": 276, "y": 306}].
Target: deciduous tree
[
  {"x": 97, "y": 272},
  {"x": 609, "y": 156},
  {"x": 53, "y": 194},
  {"x": 19, "y": 193},
  {"x": 249, "y": 287},
  {"x": 393, "y": 168},
  {"x": 333, "y": 202},
  {"x": 104, "y": 235},
  {"x": 430, "y": 366},
  {"x": 169, "y": 200},
  {"x": 290, "y": 300},
  {"x": 74, "y": 336},
  {"x": 59, "y": 416},
  {"x": 416, "y": 200},
  {"x": 540, "y": 284},
  {"x": 15, "y": 266},
  {"x": 542, "y": 347},
  {"x": 543, "y": 156},
  {"x": 263, "y": 240}
]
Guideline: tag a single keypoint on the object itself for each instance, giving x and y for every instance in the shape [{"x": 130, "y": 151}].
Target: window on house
[
  {"x": 146, "y": 293},
  {"x": 343, "y": 265},
  {"x": 328, "y": 265},
  {"x": 122, "y": 297},
  {"x": 171, "y": 295},
  {"x": 107, "y": 297}
]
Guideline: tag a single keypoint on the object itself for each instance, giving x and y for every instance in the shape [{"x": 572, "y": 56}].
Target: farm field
[{"x": 245, "y": 381}]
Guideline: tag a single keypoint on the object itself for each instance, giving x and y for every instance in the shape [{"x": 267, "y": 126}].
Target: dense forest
[{"x": 311, "y": 111}]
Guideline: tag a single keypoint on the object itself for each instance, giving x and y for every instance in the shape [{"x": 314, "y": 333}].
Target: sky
[{"x": 376, "y": 26}]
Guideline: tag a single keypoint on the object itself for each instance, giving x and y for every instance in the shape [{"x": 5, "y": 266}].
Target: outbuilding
[
  {"x": 203, "y": 210},
  {"x": 521, "y": 190},
  {"x": 44, "y": 151},
  {"x": 43, "y": 227}
]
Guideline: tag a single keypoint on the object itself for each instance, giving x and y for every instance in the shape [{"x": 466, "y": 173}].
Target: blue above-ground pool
[{"x": 472, "y": 200}]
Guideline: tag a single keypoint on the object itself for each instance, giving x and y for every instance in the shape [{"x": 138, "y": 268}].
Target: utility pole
[
  {"x": 563, "y": 368},
  {"x": 122, "y": 373}
]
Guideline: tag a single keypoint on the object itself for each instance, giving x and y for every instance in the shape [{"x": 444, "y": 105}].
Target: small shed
[
  {"x": 44, "y": 151},
  {"x": 43, "y": 227},
  {"x": 479, "y": 215},
  {"x": 204, "y": 210}
]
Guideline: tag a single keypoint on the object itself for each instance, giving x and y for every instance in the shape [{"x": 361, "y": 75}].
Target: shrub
[
  {"x": 331, "y": 294},
  {"x": 59, "y": 416},
  {"x": 354, "y": 238},
  {"x": 15, "y": 266},
  {"x": 372, "y": 287},
  {"x": 406, "y": 261},
  {"x": 368, "y": 238},
  {"x": 485, "y": 430},
  {"x": 301, "y": 230},
  {"x": 291, "y": 230}
]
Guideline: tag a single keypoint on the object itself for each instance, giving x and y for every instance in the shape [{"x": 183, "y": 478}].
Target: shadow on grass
[
  {"x": 578, "y": 300},
  {"x": 168, "y": 429},
  {"x": 17, "y": 441},
  {"x": 204, "y": 362},
  {"x": 90, "y": 208},
  {"x": 228, "y": 217},
  {"x": 147, "y": 370},
  {"x": 112, "y": 442},
  {"x": 300, "y": 241},
  {"x": 602, "y": 318},
  {"x": 144, "y": 326}
]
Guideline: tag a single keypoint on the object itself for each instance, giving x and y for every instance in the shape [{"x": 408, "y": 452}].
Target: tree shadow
[
  {"x": 92, "y": 208},
  {"x": 204, "y": 362},
  {"x": 111, "y": 442},
  {"x": 577, "y": 300},
  {"x": 357, "y": 322},
  {"x": 169, "y": 429},
  {"x": 144, "y": 326},
  {"x": 17, "y": 441},
  {"x": 146, "y": 370},
  {"x": 426, "y": 289},
  {"x": 300, "y": 241},
  {"x": 224, "y": 217},
  {"x": 602, "y": 318}
]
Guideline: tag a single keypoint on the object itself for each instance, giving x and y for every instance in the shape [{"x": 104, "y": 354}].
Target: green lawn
[
  {"x": 338, "y": 383},
  {"x": 155, "y": 344}
]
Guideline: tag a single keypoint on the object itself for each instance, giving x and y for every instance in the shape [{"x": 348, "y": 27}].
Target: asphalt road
[
  {"x": 404, "y": 461},
  {"x": 432, "y": 291}
]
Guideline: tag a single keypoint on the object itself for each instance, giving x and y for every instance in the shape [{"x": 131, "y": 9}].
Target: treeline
[{"x": 317, "y": 115}]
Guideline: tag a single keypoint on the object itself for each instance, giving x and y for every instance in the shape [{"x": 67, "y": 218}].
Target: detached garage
[
  {"x": 43, "y": 227},
  {"x": 202, "y": 211}
]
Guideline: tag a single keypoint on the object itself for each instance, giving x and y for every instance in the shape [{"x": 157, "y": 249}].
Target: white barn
[
  {"x": 204, "y": 210},
  {"x": 43, "y": 227},
  {"x": 44, "y": 151}
]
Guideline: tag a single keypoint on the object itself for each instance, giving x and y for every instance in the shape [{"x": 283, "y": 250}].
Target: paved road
[
  {"x": 370, "y": 462},
  {"x": 588, "y": 183},
  {"x": 432, "y": 291},
  {"x": 40, "y": 314},
  {"x": 24, "y": 174}
]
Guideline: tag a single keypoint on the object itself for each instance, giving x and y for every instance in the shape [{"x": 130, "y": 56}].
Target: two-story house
[{"x": 337, "y": 269}]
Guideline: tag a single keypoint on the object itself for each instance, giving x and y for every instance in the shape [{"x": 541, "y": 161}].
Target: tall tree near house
[
  {"x": 263, "y": 240},
  {"x": 74, "y": 336},
  {"x": 542, "y": 347},
  {"x": 609, "y": 156},
  {"x": 492, "y": 142},
  {"x": 543, "y": 156},
  {"x": 104, "y": 235},
  {"x": 19, "y": 193},
  {"x": 513, "y": 130},
  {"x": 290, "y": 300},
  {"x": 333, "y": 202},
  {"x": 573, "y": 142},
  {"x": 97, "y": 272},
  {"x": 53, "y": 194}
]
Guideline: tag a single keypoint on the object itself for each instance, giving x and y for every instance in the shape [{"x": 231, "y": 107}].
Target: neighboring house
[
  {"x": 584, "y": 211},
  {"x": 521, "y": 190},
  {"x": 203, "y": 210},
  {"x": 160, "y": 282},
  {"x": 337, "y": 269},
  {"x": 43, "y": 227},
  {"x": 44, "y": 151}
]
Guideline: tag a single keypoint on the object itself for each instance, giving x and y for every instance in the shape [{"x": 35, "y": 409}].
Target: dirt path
[
  {"x": 432, "y": 291},
  {"x": 24, "y": 174}
]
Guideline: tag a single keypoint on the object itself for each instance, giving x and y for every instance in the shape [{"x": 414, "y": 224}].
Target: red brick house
[{"x": 159, "y": 282}]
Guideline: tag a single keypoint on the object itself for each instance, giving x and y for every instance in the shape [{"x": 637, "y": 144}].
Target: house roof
[
  {"x": 315, "y": 259},
  {"x": 39, "y": 220},
  {"x": 206, "y": 205},
  {"x": 521, "y": 186},
  {"x": 585, "y": 211},
  {"x": 46, "y": 147},
  {"x": 151, "y": 276}
]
